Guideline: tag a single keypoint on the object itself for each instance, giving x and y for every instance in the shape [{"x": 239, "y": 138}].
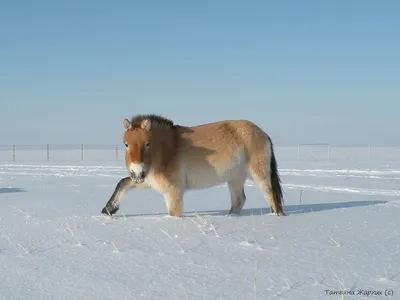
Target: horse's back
[
  {"x": 225, "y": 134},
  {"x": 217, "y": 152}
]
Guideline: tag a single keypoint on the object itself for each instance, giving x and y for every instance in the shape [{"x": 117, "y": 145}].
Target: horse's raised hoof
[{"x": 109, "y": 211}]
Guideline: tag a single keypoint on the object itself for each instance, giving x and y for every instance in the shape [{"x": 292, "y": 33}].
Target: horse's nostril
[{"x": 141, "y": 175}]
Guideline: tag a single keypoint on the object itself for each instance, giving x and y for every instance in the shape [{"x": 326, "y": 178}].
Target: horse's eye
[
  {"x": 147, "y": 145},
  {"x": 126, "y": 145}
]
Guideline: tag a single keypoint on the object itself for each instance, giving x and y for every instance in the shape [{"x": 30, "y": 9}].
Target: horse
[{"x": 172, "y": 159}]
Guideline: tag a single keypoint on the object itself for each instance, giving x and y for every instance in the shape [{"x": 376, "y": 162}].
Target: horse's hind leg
[
  {"x": 261, "y": 175},
  {"x": 266, "y": 177},
  {"x": 238, "y": 196},
  {"x": 262, "y": 182}
]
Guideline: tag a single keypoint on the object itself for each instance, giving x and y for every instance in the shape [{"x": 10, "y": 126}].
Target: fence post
[
  {"x": 81, "y": 151},
  {"x": 329, "y": 153},
  {"x": 48, "y": 152},
  {"x": 116, "y": 152},
  {"x": 13, "y": 152},
  {"x": 298, "y": 153}
]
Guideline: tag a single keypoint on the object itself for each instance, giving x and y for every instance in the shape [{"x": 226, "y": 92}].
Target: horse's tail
[{"x": 276, "y": 185}]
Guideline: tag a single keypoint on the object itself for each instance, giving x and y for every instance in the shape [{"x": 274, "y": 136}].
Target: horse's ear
[
  {"x": 146, "y": 124},
  {"x": 126, "y": 124}
]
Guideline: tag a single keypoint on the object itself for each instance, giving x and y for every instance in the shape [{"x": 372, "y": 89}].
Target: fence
[
  {"x": 50, "y": 152},
  {"x": 322, "y": 153}
]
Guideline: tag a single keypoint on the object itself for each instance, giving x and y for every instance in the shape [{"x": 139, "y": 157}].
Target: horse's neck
[{"x": 168, "y": 143}]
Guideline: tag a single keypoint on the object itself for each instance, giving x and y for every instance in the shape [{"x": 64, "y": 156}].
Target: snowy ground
[{"x": 341, "y": 233}]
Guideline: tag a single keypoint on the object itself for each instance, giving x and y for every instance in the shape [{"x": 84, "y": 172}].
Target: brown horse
[{"x": 172, "y": 159}]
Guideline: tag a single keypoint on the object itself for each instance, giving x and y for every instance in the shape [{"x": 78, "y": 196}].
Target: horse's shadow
[
  {"x": 289, "y": 209},
  {"x": 11, "y": 190},
  {"x": 301, "y": 208}
]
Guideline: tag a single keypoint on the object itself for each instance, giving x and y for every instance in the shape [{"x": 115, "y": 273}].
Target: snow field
[{"x": 341, "y": 233}]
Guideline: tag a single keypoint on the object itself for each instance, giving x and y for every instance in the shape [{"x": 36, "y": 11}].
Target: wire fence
[
  {"x": 320, "y": 153},
  {"x": 52, "y": 152}
]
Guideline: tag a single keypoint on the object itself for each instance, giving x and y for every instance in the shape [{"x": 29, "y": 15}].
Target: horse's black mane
[{"x": 156, "y": 120}]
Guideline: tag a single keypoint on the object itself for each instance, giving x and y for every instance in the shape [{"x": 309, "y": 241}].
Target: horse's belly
[{"x": 202, "y": 177}]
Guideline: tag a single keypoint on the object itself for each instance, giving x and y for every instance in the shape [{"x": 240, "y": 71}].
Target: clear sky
[{"x": 305, "y": 71}]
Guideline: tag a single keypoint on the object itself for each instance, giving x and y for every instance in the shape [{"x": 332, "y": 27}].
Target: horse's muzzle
[{"x": 138, "y": 178}]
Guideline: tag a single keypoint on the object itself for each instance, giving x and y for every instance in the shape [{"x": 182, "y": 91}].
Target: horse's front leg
[{"x": 122, "y": 187}]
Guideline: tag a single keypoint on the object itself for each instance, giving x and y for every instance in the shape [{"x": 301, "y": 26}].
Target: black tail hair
[{"x": 276, "y": 183}]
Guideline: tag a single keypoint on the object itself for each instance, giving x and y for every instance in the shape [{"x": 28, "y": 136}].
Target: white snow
[{"x": 341, "y": 233}]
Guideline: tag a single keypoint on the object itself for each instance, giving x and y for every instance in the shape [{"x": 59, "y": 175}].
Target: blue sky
[{"x": 305, "y": 71}]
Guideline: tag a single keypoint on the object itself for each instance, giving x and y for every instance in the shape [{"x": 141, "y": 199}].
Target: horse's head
[{"x": 137, "y": 145}]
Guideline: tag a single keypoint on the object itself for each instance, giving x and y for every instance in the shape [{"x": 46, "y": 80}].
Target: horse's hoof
[{"x": 109, "y": 211}]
